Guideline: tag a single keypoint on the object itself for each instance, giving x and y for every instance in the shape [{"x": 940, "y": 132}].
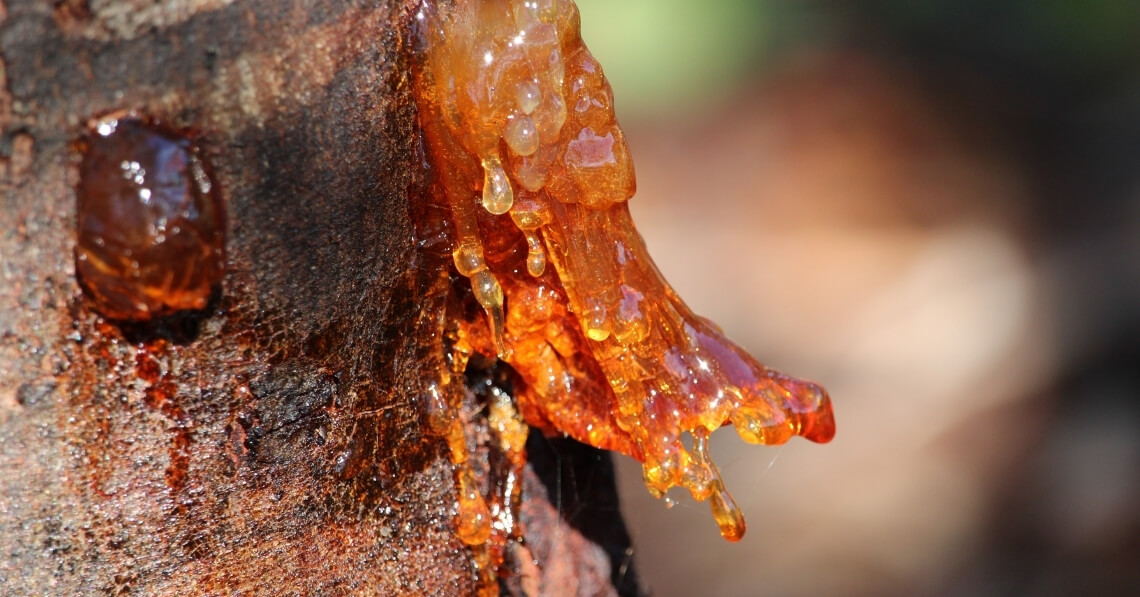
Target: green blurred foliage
[
  {"x": 665, "y": 57},
  {"x": 679, "y": 58},
  {"x": 1095, "y": 30}
]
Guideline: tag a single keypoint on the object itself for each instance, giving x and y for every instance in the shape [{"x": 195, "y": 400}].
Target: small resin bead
[
  {"x": 520, "y": 135},
  {"x": 527, "y": 95}
]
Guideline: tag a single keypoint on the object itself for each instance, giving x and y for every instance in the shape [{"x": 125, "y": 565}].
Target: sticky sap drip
[{"x": 534, "y": 171}]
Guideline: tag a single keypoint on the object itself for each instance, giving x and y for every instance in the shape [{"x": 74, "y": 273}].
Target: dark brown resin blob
[{"x": 151, "y": 224}]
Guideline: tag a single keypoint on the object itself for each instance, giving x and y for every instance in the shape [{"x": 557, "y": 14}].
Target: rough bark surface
[{"x": 276, "y": 443}]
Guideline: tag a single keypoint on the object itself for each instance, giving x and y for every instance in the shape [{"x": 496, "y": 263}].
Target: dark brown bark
[{"x": 275, "y": 443}]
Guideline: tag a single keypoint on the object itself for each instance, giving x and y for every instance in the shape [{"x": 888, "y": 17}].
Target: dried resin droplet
[
  {"x": 497, "y": 193},
  {"x": 727, "y": 514},
  {"x": 536, "y": 256},
  {"x": 469, "y": 262},
  {"x": 521, "y": 135},
  {"x": 474, "y": 519},
  {"x": 528, "y": 96},
  {"x": 604, "y": 349},
  {"x": 529, "y": 216},
  {"x": 150, "y": 219}
]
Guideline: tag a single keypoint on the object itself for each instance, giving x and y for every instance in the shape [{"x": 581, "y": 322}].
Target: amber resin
[
  {"x": 151, "y": 225},
  {"x": 533, "y": 171}
]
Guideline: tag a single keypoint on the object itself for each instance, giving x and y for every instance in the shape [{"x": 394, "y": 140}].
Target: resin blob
[
  {"x": 533, "y": 172},
  {"x": 151, "y": 225}
]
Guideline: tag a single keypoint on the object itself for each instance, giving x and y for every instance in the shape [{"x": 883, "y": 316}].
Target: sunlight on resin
[{"x": 532, "y": 173}]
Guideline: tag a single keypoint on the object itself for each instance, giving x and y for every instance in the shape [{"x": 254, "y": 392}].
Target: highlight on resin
[
  {"x": 533, "y": 170},
  {"x": 150, "y": 220}
]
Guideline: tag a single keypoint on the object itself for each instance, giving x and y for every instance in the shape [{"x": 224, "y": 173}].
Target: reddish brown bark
[{"x": 275, "y": 443}]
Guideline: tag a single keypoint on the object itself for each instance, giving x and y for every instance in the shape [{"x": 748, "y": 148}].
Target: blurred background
[{"x": 932, "y": 208}]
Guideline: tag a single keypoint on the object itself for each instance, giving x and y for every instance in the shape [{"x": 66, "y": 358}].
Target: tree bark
[{"x": 275, "y": 443}]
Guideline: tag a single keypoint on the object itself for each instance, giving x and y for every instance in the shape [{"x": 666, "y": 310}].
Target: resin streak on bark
[{"x": 532, "y": 168}]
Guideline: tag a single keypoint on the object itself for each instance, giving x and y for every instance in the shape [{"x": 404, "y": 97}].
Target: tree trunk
[{"x": 275, "y": 443}]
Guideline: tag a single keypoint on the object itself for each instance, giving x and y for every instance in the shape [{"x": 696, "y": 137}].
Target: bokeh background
[{"x": 933, "y": 208}]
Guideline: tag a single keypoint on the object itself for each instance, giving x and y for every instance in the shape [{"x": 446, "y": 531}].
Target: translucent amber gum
[
  {"x": 534, "y": 170},
  {"x": 151, "y": 223}
]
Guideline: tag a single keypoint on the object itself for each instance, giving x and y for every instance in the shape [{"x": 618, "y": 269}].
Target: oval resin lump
[{"x": 151, "y": 224}]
